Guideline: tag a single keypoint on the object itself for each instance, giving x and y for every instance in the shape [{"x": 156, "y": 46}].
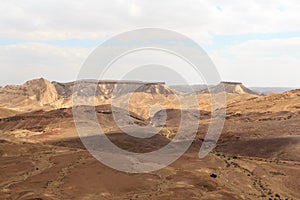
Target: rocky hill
[
  {"x": 270, "y": 90},
  {"x": 287, "y": 101},
  {"x": 42, "y": 157},
  {"x": 42, "y": 94},
  {"x": 109, "y": 88},
  {"x": 145, "y": 99},
  {"x": 229, "y": 87},
  {"x": 32, "y": 94}
]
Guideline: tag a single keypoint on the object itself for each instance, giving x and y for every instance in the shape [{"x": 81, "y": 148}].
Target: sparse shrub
[
  {"x": 270, "y": 192},
  {"x": 213, "y": 175},
  {"x": 277, "y": 173}
]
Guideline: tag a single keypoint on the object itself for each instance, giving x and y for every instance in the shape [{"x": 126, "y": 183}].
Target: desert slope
[
  {"x": 287, "y": 101},
  {"x": 5, "y": 112},
  {"x": 42, "y": 156}
]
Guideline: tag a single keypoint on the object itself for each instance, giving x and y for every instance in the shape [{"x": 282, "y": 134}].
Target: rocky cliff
[{"x": 229, "y": 87}]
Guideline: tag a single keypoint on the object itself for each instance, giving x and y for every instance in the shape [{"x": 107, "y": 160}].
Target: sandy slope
[{"x": 5, "y": 112}]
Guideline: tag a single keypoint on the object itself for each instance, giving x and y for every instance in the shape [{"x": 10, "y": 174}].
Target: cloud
[
  {"x": 22, "y": 62},
  {"x": 94, "y": 19},
  {"x": 274, "y": 62},
  {"x": 50, "y": 38}
]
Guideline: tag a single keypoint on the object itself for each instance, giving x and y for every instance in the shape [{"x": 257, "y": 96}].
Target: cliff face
[
  {"x": 145, "y": 99},
  {"x": 37, "y": 92},
  {"x": 109, "y": 88},
  {"x": 230, "y": 87},
  {"x": 40, "y": 93},
  {"x": 41, "y": 90}
]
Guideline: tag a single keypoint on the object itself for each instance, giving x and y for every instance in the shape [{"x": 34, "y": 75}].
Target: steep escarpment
[
  {"x": 229, "y": 87},
  {"x": 32, "y": 94},
  {"x": 42, "y": 94},
  {"x": 108, "y": 88},
  {"x": 143, "y": 98}
]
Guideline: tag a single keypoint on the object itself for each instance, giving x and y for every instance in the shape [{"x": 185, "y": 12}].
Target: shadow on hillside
[{"x": 283, "y": 148}]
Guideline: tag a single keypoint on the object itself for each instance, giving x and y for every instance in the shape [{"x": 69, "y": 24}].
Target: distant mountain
[
  {"x": 269, "y": 90},
  {"x": 43, "y": 94},
  {"x": 145, "y": 98},
  {"x": 287, "y": 101},
  {"x": 229, "y": 87},
  {"x": 109, "y": 88}
]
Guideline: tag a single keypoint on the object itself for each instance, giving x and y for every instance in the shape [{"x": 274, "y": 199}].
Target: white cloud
[
  {"x": 250, "y": 61},
  {"x": 274, "y": 62},
  {"x": 134, "y": 10},
  {"x": 22, "y": 62},
  {"x": 94, "y": 19}
]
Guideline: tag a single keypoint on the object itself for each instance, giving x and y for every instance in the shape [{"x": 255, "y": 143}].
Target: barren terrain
[{"x": 42, "y": 157}]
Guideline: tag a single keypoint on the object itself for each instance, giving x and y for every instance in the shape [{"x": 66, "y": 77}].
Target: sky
[{"x": 255, "y": 42}]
